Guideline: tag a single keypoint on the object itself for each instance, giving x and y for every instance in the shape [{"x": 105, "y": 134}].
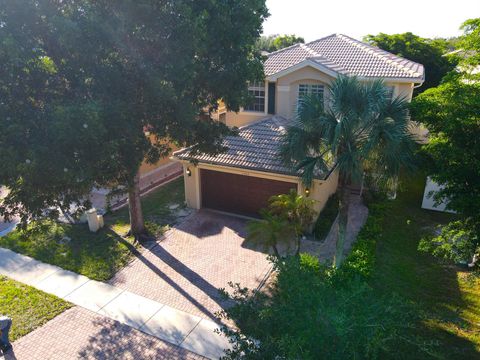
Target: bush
[
  {"x": 458, "y": 241},
  {"x": 361, "y": 260},
  {"x": 326, "y": 218},
  {"x": 313, "y": 313}
]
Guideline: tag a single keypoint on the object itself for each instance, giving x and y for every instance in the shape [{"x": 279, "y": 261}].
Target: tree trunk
[
  {"x": 344, "y": 204},
  {"x": 275, "y": 251},
  {"x": 137, "y": 224}
]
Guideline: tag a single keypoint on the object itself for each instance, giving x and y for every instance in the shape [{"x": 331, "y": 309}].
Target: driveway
[{"x": 187, "y": 267}]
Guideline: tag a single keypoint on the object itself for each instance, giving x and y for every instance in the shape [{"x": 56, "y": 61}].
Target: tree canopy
[
  {"x": 82, "y": 81},
  {"x": 276, "y": 42},
  {"x": 451, "y": 113},
  {"x": 429, "y": 52}
]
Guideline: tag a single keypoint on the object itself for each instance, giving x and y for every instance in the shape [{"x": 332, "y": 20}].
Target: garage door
[{"x": 244, "y": 195}]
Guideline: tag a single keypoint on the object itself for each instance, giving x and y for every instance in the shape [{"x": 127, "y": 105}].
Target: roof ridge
[
  {"x": 283, "y": 49},
  {"x": 310, "y": 50},
  {"x": 322, "y": 38},
  {"x": 379, "y": 53}
]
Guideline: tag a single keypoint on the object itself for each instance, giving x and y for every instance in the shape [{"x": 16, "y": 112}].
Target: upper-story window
[
  {"x": 257, "y": 91},
  {"x": 390, "y": 91},
  {"x": 310, "y": 89}
]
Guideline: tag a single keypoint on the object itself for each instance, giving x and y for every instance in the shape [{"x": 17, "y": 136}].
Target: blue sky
[{"x": 314, "y": 19}]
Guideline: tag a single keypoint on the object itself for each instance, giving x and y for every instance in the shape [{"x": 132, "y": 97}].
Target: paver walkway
[
  {"x": 357, "y": 215},
  {"x": 81, "y": 334},
  {"x": 179, "y": 328}
]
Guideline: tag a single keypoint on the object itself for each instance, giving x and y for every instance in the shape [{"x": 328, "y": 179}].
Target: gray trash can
[{"x": 5, "y": 325}]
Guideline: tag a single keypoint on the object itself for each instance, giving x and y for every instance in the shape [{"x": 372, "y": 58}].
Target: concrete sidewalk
[{"x": 179, "y": 328}]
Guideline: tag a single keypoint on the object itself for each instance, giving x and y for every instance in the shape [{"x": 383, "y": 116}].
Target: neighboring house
[{"x": 243, "y": 179}]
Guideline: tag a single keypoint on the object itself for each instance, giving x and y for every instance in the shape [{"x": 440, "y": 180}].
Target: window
[
  {"x": 257, "y": 90},
  {"x": 390, "y": 90},
  {"x": 310, "y": 89}
]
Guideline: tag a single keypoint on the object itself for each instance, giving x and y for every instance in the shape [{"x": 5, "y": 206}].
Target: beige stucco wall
[
  {"x": 287, "y": 94},
  {"x": 287, "y": 88},
  {"x": 320, "y": 190},
  {"x": 244, "y": 118}
]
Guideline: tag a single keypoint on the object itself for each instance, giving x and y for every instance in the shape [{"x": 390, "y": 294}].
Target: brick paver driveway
[{"x": 195, "y": 259}]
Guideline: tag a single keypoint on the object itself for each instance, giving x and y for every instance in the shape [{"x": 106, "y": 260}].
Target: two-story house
[{"x": 243, "y": 179}]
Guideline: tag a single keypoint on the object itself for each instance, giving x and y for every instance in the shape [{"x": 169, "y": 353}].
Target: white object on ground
[
  {"x": 95, "y": 221},
  {"x": 428, "y": 202}
]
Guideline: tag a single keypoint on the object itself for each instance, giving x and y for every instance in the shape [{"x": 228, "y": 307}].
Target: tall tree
[
  {"x": 451, "y": 113},
  {"x": 82, "y": 81},
  {"x": 361, "y": 129},
  {"x": 429, "y": 52}
]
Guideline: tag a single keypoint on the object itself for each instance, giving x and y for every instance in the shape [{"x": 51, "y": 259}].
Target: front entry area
[{"x": 239, "y": 194}]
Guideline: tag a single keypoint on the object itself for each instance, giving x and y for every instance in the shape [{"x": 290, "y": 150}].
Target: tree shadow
[
  {"x": 193, "y": 277},
  {"x": 113, "y": 340}
]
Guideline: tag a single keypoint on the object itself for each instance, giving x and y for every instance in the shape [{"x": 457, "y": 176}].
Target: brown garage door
[{"x": 239, "y": 194}]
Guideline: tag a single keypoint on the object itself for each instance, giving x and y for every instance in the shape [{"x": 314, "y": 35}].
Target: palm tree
[
  {"x": 270, "y": 231},
  {"x": 358, "y": 128},
  {"x": 297, "y": 210}
]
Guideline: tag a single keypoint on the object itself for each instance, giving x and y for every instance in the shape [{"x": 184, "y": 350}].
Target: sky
[{"x": 313, "y": 19}]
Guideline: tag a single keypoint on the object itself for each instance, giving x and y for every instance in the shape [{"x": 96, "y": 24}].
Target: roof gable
[{"x": 344, "y": 55}]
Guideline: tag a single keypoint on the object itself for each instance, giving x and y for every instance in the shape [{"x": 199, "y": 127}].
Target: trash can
[{"x": 5, "y": 324}]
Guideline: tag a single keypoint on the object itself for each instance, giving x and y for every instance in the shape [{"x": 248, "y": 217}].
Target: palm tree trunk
[
  {"x": 137, "y": 224},
  {"x": 275, "y": 251},
  {"x": 344, "y": 204}
]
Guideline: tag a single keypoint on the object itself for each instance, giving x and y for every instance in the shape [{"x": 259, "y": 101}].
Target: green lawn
[
  {"x": 155, "y": 207},
  {"x": 96, "y": 255},
  {"x": 448, "y": 296},
  {"x": 29, "y": 308}
]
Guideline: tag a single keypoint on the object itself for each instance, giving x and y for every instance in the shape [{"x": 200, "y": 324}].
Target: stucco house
[{"x": 242, "y": 180}]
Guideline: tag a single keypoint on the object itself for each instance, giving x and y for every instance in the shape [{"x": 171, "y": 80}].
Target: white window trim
[
  {"x": 309, "y": 90},
  {"x": 265, "y": 105}
]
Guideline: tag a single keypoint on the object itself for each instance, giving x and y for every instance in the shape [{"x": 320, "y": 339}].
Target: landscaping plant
[
  {"x": 288, "y": 217},
  {"x": 360, "y": 128},
  {"x": 451, "y": 113}
]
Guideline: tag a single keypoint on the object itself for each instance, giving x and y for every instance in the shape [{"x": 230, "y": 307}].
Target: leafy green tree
[
  {"x": 429, "y": 52},
  {"x": 276, "y": 42},
  {"x": 83, "y": 81},
  {"x": 469, "y": 44},
  {"x": 361, "y": 129},
  {"x": 451, "y": 113}
]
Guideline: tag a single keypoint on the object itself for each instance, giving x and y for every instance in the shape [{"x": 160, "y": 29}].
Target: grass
[
  {"x": 96, "y": 255},
  {"x": 326, "y": 218},
  {"x": 448, "y": 297},
  {"x": 29, "y": 308},
  {"x": 155, "y": 207}
]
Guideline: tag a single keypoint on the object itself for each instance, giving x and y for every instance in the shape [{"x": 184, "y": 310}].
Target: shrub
[{"x": 314, "y": 314}]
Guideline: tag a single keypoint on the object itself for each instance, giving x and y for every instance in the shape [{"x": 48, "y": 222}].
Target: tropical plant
[
  {"x": 361, "y": 129},
  {"x": 271, "y": 231},
  {"x": 297, "y": 210}
]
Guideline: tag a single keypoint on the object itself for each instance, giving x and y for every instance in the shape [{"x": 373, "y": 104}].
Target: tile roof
[
  {"x": 255, "y": 148},
  {"x": 347, "y": 56}
]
